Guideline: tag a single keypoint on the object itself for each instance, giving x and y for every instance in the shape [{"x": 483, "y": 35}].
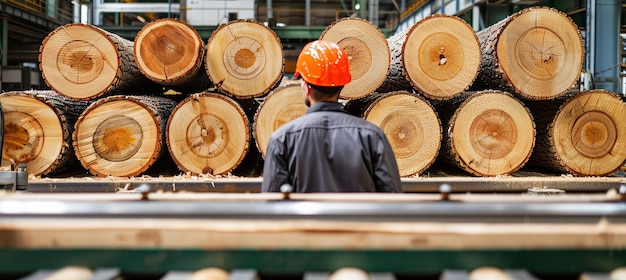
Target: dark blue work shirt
[{"x": 328, "y": 150}]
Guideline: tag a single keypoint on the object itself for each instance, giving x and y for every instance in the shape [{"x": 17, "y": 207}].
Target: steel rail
[{"x": 321, "y": 210}]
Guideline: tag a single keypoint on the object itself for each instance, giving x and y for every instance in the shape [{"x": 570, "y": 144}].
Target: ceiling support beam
[{"x": 604, "y": 53}]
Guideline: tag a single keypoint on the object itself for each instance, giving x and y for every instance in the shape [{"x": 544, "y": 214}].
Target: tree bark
[
  {"x": 122, "y": 135},
  {"x": 439, "y": 57},
  {"x": 244, "y": 59},
  {"x": 486, "y": 133},
  {"x": 84, "y": 62},
  {"x": 171, "y": 52},
  {"x": 536, "y": 53},
  {"x": 38, "y": 128},
  {"x": 368, "y": 53},
  {"x": 583, "y": 134}
]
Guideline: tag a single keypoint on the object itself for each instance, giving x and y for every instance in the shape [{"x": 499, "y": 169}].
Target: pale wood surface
[
  {"x": 491, "y": 133},
  {"x": 171, "y": 52},
  {"x": 536, "y": 53},
  {"x": 208, "y": 133},
  {"x": 281, "y": 106},
  {"x": 122, "y": 135},
  {"x": 439, "y": 56},
  {"x": 588, "y": 133},
  {"x": 412, "y": 128},
  {"x": 368, "y": 54},
  {"x": 304, "y": 234},
  {"x": 244, "y": 58}
]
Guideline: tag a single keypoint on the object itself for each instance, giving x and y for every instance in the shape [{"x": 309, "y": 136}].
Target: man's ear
[{"x": 306, "y": 88}]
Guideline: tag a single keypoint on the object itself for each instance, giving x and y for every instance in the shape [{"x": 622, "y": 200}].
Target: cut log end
[
  {"x": 168, "y": 50},
  {"x": 589, "y": 135},
  {"x": 368, "y": 54},
  {"x": 208, "y": 133},
  {"x": 79, "y": 61},
  {"x": 542, "y": 54},
  {"x": 441, "y": 62},
  {"x": 35, "y": 132},
  {"x": 121, "y": 136},
  {"x": 244, "y": 59},
  {"x": 412, "y": 128},
  {"x": 281, "y": 106},
  {"x": 491, "y": 134}
]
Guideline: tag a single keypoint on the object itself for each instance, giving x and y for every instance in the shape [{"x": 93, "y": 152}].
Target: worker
[{"x": 327, "y": 149}]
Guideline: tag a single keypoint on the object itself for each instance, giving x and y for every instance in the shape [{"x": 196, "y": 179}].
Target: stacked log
[
  {"x": 536, "y": 53},
  {"x": 583, "y": 134},
  {"x": 438, "y": 56},
  {"x": 82, "y": 61},
  {"x": 486, "y": 133},
  {"x": 412, "y": 127},
  {"x": 171, "y": 52},
  {"x": 38, "y": 128},
  {"x": 208, "y": 133},
  {"x": 363, "y": 42},
  {"x": 244, "y": 59},
  {"x": 281, "y": 106},
  {"x": 122, "y": 135}
]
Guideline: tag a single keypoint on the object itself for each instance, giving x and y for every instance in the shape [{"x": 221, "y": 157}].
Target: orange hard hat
[{"x": 323, "y": 63}]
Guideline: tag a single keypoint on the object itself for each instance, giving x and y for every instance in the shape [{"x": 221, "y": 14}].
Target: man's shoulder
[
  {"x": 332, "y": 119},
  {"x": 362, "y": 123}
]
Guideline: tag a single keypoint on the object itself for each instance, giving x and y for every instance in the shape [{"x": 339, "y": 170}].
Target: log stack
[
  {"x": 535, "y": 54},
  {"x": 438, "y": 90}
]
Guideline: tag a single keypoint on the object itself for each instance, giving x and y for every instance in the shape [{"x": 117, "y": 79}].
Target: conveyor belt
[
  {"x": 362, "y": 207},
  {"x": 403, "y": 234}
]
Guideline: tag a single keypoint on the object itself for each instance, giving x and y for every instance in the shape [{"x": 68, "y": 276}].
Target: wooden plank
[{"x": 304, "y": 234}]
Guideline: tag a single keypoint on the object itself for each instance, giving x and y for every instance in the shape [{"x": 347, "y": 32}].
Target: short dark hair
[{"x": 326, "y": 91}]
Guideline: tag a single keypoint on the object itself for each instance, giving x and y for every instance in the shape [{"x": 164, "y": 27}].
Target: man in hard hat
[{"x": 328, "y": 150}]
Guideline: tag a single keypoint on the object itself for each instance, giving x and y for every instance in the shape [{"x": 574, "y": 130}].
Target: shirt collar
[{"x": 325, "y": 106}]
